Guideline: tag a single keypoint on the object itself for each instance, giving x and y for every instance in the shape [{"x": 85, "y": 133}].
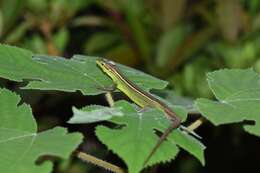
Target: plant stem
[
  {"x": 99, "y": 162},
  {"x": 110, "y": 99},
  {"x": 196, "y": 124}
]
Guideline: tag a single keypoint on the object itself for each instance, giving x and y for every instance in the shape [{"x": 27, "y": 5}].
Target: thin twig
[{"x": 99, "y": 162}]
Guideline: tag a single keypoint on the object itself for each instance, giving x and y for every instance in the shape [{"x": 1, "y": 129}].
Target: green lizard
[{"x": 140, "y": 97}]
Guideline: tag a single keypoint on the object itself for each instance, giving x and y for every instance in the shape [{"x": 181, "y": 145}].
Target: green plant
[{"x": 132, "y": 137}]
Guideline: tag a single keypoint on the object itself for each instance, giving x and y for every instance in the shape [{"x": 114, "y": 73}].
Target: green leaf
[
  {"x": 61, "y": 38},
  {"x": 97, "y": 44},
  {"x": 37, "y": 7},
  {"x": 93, "y": 113},
  {"x": 56, "y": 73},
  {"x": 21, "y": 145},
  {"x": 11, "y": 11},
  {"x": 238, "y": 94},
  {"x": 134, "y": 141},
  {"x": 36, "y": 43},
  {"x": 169, "y": 43},
  {"x": 18, "y": 33},
  {"x": 1, "y": 23},
  {"x": 175, "y": 99}
]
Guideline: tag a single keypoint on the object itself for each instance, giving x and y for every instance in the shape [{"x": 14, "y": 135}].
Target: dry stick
[{"x": 99, "y": 162}]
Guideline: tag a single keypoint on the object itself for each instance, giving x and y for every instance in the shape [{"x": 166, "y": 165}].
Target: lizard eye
[{"x": 102, "y": 63}]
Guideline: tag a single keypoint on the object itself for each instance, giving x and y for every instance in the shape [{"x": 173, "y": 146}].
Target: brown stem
[
  {"x": 46, "y": 29},
  {"x": 99, "y": 162}
]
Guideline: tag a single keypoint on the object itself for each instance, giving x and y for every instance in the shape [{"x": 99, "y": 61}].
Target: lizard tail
[{"x": 173, "y": 126}]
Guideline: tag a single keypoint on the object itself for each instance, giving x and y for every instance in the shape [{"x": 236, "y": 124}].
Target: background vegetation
[{"x": 178, "y": 41}]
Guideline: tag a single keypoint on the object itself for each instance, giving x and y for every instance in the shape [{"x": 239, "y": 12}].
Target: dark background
[{"x": 175, "y": 40}]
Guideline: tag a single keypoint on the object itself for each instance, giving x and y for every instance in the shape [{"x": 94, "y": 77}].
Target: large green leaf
[
  {"x": 21, "y": 145},
  {"x": 238, "y": 94},
  {"x": 136, "y": 138},
  {"x": 56, "y": 73}
]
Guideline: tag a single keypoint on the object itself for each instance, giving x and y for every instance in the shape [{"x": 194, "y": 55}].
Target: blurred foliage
[{"x": 177, "y": 40}]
